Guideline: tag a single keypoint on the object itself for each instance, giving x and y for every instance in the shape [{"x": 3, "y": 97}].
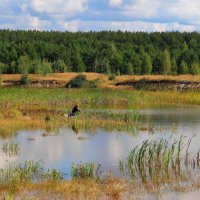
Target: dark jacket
[{"x": 75, "y": 109}]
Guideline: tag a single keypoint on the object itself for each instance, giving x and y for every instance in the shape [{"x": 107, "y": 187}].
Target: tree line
[{"x": 43, "y": 52}]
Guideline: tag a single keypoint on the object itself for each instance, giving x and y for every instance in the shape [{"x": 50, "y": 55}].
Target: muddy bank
[
  {"x": 156, "y": 85},
  {"x": 142, "y": 84}
]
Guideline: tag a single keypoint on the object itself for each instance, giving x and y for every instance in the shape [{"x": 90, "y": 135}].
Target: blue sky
[{"x": 97, "y": 15}]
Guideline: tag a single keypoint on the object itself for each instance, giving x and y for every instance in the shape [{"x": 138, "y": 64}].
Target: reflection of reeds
[
  {"x": 158, "y": 161},
  {"x": 10, "y": 148}
]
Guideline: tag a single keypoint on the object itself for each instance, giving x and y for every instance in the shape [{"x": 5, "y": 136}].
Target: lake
[{"x": 59, "y": 150}]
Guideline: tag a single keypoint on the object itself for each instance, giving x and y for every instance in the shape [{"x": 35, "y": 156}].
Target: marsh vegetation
[{"x": 35, "y": 118}]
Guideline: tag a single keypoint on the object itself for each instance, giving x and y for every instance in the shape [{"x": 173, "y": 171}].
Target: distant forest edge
[{"x": 103, "y": 52}]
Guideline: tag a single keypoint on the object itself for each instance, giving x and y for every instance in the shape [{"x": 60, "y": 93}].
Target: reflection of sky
[
  {"x": 60, "y": 151},
  {"x": 193, "y": 195}
]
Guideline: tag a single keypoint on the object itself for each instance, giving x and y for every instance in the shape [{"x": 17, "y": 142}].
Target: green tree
[
  {"x": 166, "y": 62},
  {"x": 42, "y": 68},
  {"x": 59, "y": 66},
  {"x": 2, "y": 68},
  {"x": 24, "y": 64},
  {"x": 129, "y": 68},
  {"x": 195, "y": 68},
  {"x": 174, "y": 66},
  {"x": 183, "y": 68},
  {"x": 146, "y": 65}
]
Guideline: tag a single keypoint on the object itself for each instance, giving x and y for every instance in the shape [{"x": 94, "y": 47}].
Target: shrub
[
  {"x": 112, "y": 77},
  {"x": 47, "y": 118},
  {"x": 77, "y": 82},
  {"x": 24, "y": 79}
]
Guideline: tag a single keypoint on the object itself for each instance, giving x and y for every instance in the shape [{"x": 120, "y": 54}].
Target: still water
[{"x": 60, "y": 150}]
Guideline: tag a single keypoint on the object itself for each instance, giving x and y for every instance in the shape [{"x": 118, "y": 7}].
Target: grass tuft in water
[
  {"x": 10, "y": 148},
  {"x": 159, "y": 161}
]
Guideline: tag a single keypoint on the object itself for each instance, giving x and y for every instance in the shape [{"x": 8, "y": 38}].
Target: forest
[{"x": 43, "y": 52}]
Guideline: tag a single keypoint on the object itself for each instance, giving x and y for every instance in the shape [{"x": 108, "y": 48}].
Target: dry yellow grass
[
  {"x": 192, "y": 78},
  {"x": 64, "y": 77},
  {"x": 107, "y": 189},
  {"x": 55, "y": 76}
]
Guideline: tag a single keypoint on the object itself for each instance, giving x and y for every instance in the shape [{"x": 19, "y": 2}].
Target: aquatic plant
[
  {"x": 52, "y": 175},
  {"x": 10, "y": 148},
  {"x": 83, "y": 170},
  {"x": 86, "y": 170},
  {"x": 158, "y": 160}
]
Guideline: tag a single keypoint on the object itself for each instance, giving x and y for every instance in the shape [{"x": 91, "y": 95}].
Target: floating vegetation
[
  {"x": 159, "y": 161},
  {"x": 10, "y": 148}
]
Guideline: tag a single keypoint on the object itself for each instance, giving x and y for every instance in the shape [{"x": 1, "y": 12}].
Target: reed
[
  {"x": 159, "y": 161},
  {"x": 83, "y": 170},
  {"x": 10, "y": 148}
]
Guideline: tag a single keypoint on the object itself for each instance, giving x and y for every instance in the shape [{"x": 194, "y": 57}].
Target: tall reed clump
[
  {"x": 159, "y": 161},
  {"x": 86, "y": 170}
]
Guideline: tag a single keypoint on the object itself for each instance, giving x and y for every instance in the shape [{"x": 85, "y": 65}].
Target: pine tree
[
  {"x": 195, "y": 68},
  {"x": 166, "y": 62},
  {"x": 174, "y": 66},
  {"x": 24, "y": 64},
  {"x": 146, "y": 65},
  {"x": 183, "y": 68}
]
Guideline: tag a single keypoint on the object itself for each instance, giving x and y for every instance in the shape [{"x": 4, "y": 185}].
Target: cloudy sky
[{"x": 96, "y": 15}]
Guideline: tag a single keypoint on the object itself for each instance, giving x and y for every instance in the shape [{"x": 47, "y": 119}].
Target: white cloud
[
  {"x": 132, "y": 15},
  {"x": 139, "y": 8},
  {"x": 24, "y": 7},
  {"x": 157, "y": 10},
  {"x": 185, "y": 10},
  {"x": 115, "y": 3},
  {"x": 59, "y": 7},
  {"x": 76, "y": 25},
  {"x": 25, "y": 21},
  {"x": 70, "y": 25}
]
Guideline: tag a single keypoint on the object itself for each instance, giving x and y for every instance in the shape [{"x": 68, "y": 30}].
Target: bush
[
  {"x": 112, "y": 77},
  {"x": 77, "y": 82},
  {"x": 24, "y": 79}
]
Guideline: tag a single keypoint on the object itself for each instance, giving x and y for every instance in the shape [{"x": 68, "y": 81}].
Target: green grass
[{"x": 92, "y": 98}]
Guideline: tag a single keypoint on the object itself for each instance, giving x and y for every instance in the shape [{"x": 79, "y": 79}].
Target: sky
[{"x": 98, "y": 15}]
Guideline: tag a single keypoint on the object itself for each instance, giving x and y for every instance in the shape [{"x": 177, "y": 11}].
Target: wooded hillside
[{"x": 102, "y": 52}]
